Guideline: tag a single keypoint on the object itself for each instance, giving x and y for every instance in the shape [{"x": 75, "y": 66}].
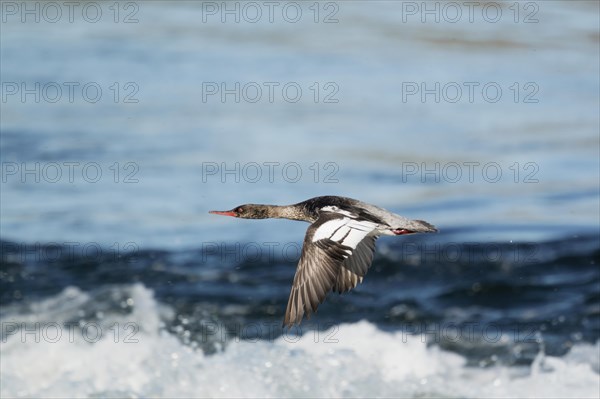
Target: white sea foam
[{"x": 357, "y": 360}]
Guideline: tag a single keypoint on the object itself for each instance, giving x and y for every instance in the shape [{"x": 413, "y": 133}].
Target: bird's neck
[{"x": 292, "y": 212}]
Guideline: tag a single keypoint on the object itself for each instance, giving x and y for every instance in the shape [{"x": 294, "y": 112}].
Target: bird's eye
[{"x": 240, "y": 210}]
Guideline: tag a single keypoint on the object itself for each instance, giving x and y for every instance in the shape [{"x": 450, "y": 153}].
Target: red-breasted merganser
[{"x": 338, "y": 246}]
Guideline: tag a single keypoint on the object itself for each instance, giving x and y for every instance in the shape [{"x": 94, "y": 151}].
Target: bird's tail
[
  {"x": 425, "y": 227},
  {"x": 418, "y": 226}
]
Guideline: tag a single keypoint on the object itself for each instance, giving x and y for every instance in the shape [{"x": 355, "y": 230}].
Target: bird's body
[{"x": 338, "y": 246}]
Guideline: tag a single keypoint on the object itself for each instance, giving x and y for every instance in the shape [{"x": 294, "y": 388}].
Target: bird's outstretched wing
[{"x": 336, "y": 254}]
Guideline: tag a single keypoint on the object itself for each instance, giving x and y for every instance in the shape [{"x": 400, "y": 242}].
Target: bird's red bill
[{"x": 223, "y": 213}]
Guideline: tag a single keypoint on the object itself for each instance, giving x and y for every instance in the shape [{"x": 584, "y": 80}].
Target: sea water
[{"x": 116, "y": 282}]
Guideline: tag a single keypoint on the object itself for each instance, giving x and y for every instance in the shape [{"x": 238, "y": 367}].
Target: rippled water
[{"x": 104, "y": 204}]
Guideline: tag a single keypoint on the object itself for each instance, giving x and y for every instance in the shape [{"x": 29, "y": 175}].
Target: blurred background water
[{"x": 105, "y": 192}]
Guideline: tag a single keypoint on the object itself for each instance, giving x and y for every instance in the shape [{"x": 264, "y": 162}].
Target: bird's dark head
[{"x": 247, "y": 211}]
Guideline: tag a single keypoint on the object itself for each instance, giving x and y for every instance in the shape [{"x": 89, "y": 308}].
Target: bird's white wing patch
[
  {"x": 335, "y": 209},
  {"x": 356, "y": 232},
  {"x": 345, "y": 231},
  {"x": 328, "y": 229}
]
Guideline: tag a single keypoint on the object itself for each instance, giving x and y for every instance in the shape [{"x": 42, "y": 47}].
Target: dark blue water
[{"x": 523, "y": 289}]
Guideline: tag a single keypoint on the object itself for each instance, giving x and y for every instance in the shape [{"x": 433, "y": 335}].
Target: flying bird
[{"x": 338, "y": 247}]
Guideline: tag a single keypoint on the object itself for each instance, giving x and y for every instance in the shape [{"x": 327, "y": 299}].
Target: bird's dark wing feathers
[
  {"x": 336, "y": 255},
  {"x": 356, "y": 266}
]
